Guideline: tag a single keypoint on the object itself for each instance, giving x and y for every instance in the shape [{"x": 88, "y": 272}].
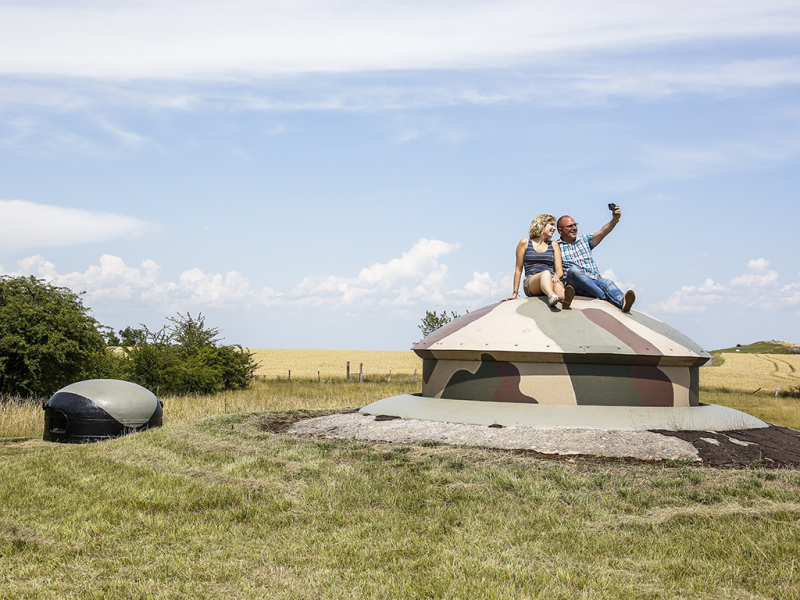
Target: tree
[
  {"x": 431, "y": 321},
  {"x": 130, "y": 336},
  {"x": 185, "y": 356},
  {"x": 48, "y": 339}
]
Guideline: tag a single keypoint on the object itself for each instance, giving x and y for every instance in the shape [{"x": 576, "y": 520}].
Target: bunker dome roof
[{"x": 591, "y": 331}]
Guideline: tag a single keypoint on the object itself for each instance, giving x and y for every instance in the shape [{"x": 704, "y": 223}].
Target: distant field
[
  {"x": 748, "y": 372},
  {"x": 333, "y": 363}
]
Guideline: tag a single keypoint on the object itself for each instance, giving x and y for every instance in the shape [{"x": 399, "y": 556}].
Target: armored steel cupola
[
  {"x": 99, "y": 409},
  {"x": 524, "y": 351}
]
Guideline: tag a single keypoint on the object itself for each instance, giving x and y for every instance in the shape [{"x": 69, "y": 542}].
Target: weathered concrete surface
[
  {"x": 634, "y": 418},
  {"x": 642, "y": 445}
]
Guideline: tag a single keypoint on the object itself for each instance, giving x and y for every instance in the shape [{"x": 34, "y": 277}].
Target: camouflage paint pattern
[{"x": 592, "y": 354}]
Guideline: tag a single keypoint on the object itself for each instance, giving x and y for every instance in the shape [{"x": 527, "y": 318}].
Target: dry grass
[
  {"x": 21, "y": 419},
  {"x": 333, "y": 363},
  {"x": 778, "y": 411},
  {"x": 267, "y": 394},
  {"x": 220, "y": 508},
  {"x": 748, "y": 372}
]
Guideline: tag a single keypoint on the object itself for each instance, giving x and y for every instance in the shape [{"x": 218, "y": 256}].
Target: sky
[{"x": 318, "y": 174}]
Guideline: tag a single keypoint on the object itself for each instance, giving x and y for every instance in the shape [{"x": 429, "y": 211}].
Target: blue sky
[{"x": 316, "y": 174}]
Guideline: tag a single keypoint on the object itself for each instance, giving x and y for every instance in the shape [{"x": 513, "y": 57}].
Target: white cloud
[
  {"x": 692, "y": 299},
  {"x": 584, "y": 80},
  {"x": 127, "y": 137},
  {"x": 311, "y": 55},
  {"x": 753, "y": 279},
  {"x": 29, "y": 225},
  {"x": 417, "y": 277},
  {"x": 204, "y": 38},
  {"x": 213, "y": 289},
  {"x": 745, "y": 290},
  {"x": 623, "y": 285},
  {"x": 682, "y": 301},
  {"x": 419, "y": 267},
  {"x": 112, "y": 281},
  {"x": 481, "y": 286},
  {"x": 709, "y": 286},
  {"x": 758, "y": 265},
  {"x": 420, "y": 260}
]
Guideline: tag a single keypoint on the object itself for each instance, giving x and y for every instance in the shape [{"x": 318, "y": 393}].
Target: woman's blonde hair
[{"x": 538, "y": 225}]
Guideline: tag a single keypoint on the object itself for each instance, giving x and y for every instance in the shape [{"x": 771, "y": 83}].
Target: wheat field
[
  {"x": 333, "y": 363},
  {"x": 748, "y": 372}
]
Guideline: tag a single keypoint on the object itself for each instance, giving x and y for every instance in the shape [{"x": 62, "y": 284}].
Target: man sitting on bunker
[{"x": 580, "y": 270}]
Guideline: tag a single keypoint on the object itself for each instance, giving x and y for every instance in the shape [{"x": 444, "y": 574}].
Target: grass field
[
  {"x": 333, "y": 363},
  {"x": 214, "y": 506},
  {"x": 749, "y": 372},
  {"x": 218, "y": 508}
]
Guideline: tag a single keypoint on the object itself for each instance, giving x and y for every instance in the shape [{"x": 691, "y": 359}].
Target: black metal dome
[{"x": 99, "y": 409}]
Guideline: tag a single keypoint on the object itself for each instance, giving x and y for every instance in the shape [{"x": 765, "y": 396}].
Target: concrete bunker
[{"x": 523, "y": 363}]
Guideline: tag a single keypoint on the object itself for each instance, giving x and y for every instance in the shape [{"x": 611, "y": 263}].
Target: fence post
[
  {"x": 348, "y": 371},
  {"x": 290, "y": 374},
  {"x": 390, "y": 374},
  {"x": 777, "y": 387},
  {"x": 415, "y": 374},
  {"x": 360, "y": 372},
  {"x": 319, "y": 379}
]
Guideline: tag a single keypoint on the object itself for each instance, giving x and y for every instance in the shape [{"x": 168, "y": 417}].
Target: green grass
[
  {"x": 757, "y": 348},
  {"x": 219, "y": 508},
  {"x": 754, "y": 348}
]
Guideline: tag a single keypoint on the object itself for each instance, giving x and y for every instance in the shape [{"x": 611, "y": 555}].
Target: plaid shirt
[{"x": 579, "y": 254}]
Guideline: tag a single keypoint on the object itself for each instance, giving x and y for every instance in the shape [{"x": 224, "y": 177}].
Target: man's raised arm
[{"x": 598, "y": 236}]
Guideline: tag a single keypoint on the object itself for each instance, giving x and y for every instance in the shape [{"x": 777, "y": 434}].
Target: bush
[
  {"x": 185, "y": 357},
  {"x": 48, "y": 339}
]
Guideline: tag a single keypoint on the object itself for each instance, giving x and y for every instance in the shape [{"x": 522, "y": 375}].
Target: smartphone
[{"x": 612, "y": 207}]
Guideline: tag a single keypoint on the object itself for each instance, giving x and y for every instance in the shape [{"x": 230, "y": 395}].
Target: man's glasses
[{"x": 573, "y": 226}]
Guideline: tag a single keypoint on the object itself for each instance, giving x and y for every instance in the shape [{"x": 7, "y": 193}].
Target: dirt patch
[
  {"x": 283, "y": 422},
  {"x": 773, "y": 446},
  {"x": 770, "y": 447}
]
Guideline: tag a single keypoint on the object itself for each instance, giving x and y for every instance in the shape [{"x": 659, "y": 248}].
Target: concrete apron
[{"x": 706, "y": 417}]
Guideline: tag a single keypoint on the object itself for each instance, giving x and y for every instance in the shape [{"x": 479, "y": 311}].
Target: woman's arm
[
  {"x": 521, "y": 247},
  {"x": 557, "y": 259}
]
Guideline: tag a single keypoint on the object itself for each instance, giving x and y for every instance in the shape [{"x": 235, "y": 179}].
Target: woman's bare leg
[
  {"x": 541, "y": 285},
  {"x": 558, "y": 288}
]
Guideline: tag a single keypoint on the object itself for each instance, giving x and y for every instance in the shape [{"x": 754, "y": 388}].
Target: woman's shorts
[{"x": 526, "y": 285}]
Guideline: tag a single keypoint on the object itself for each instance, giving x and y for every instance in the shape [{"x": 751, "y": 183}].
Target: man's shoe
[
  {"x": 569, "y": 294},
  {"x": 630, "y": 298}
]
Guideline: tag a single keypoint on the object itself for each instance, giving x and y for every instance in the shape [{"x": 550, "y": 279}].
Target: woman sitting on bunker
[{"x": 541, "y": 259}]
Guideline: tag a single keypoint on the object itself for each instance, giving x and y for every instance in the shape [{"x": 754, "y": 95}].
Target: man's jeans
[{"x": 605, "y": 289}]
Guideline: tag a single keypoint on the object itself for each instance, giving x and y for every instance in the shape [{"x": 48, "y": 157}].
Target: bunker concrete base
[{"x": 706, "y": 417}]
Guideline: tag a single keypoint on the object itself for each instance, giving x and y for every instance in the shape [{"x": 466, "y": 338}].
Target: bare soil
[{"x": 769, "y": 447}]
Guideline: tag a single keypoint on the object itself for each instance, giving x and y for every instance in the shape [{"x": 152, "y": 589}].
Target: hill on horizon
[{"x": 764, "y": 347}]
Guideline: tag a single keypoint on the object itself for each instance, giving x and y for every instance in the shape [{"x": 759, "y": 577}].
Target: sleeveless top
[{"x": 536, "y": 262}]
